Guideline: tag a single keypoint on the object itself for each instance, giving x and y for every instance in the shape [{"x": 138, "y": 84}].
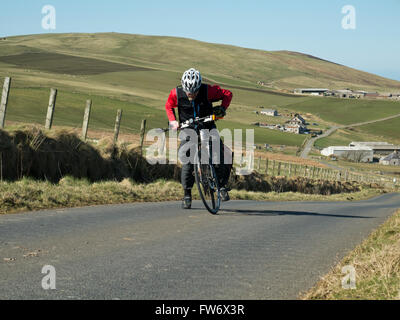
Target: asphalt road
[
  {"x": 310, "y": 143},
  {"x": 252, "y": 250}
]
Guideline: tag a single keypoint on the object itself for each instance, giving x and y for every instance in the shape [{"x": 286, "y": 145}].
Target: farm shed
[
  {"x": 357, "y": 154},
  {"x": 312, "y": 91},
  {"x": 269, "y": 112},
  {"x": 343, "y": 93},
  {"x": 380, "y": 148}
]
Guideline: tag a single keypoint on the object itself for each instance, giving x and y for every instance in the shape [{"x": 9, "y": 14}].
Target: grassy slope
[
  {"x": 29, "y": 105},
  {"x": 347, "y": 111},
  {"x": 387, "y": 129},
  {"x": 246, "y": 65},
  {"x": 143, "y": 93},
  {"x": 261, "y": 135},
  {"x": 381, "y": 131}
]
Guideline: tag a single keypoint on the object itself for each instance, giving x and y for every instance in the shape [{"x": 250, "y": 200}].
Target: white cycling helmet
[{"x": 191, "y": 81}]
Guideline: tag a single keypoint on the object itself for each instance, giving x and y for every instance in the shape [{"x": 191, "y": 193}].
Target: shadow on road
[{"x": 271, "y": 213}]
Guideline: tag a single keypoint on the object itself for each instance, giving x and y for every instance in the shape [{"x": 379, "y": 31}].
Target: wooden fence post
[
  {"x": 279, "y": 168},
  {"x": 266, "y": 166},
  {"x": 290, "y": 169},
  {"x": 86, "y": 117},
  {"x": 50, "y": 109},
  {"x": 273, "y": 168},
  {"x": 142, "y": 132},
  {"x": 117, "y": 125},
  {"x": 295, "y": 170},
  {"x": 4, "y": 101},
  {"x": 259, "y": 163}
]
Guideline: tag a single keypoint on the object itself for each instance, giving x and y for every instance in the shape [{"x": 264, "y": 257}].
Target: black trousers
[{"x": 223, "y": 170}]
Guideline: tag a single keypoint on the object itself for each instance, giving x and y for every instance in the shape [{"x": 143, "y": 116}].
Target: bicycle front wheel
[{"x": 207, "y": 184}]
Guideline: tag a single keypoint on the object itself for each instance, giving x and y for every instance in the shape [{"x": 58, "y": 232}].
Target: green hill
[{"x": 223, "y": 63}]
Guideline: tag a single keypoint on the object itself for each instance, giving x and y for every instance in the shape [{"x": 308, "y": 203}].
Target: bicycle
[{"x": 204, "y": 171}]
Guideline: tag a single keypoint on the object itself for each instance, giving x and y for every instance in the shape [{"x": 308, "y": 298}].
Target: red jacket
[{"x": 215, "y": 93}]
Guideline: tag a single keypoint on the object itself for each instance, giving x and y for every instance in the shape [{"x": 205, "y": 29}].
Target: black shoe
[
  {"x": 187, "y": 202},
  {"x": 224, "y": 194}
]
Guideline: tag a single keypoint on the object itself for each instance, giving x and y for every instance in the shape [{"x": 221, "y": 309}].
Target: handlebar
[{"x": 192, "y": 121}]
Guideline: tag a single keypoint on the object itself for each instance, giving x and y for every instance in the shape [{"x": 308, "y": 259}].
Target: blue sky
[{"x": 311, "y": 26}]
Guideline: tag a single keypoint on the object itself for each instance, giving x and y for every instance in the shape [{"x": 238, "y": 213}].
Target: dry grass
[
  {"x": 377, "y": 265},
  {"x": 264, "y": 183},
  {"x": 31, "y": 152},
  {"x": 296, "y": 196},
  {"x": 28, "y": 194}
]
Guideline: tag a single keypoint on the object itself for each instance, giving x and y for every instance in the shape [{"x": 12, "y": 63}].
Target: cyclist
[{"x": 194, "y": 99}]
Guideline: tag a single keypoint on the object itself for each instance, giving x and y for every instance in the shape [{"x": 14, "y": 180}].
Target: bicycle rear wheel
[{"x": 207, "y": 184}]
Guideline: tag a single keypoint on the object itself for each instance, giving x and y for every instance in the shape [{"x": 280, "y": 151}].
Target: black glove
[{"x": 219, "y": 111}]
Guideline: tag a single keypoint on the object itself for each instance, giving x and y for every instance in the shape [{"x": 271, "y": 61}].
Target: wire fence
[{"x": 270, "y": 167}]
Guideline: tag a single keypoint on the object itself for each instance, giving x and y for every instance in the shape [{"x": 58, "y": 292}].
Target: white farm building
[
  {"x": 269, "y": 112},
  {"x": 357, "y": 154},
  {"x": 311, "y": 91}
]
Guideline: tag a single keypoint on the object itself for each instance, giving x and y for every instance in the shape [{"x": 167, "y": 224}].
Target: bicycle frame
[{"x": 207, "y": 182}]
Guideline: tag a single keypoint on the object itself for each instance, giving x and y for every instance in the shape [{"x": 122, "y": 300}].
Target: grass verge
[
  {"x": 377, "y": 265},
  {"x": 28, "y": 194}
]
